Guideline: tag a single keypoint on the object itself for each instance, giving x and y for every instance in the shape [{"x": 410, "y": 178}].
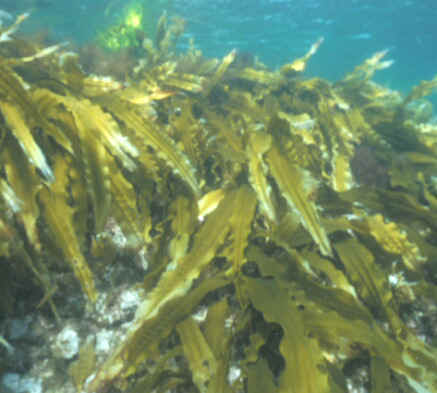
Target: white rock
[
  {"x": 15, "y": 383},
  {"x": 103, "y": 341},
  {"x": 129, "y": 298},
  {"x": 66, "y": 344},
  {"x": 234, "y": 374}
]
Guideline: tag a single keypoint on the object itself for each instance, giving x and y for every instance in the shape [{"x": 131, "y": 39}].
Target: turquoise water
[
  {"x": 280, "y": 30},
  {"x": 277, "y": 31}
]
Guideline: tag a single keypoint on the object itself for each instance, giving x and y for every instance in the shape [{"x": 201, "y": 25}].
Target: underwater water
[
  {"x": 276, "y": 31},
  {"x": 280, "y": 30}
]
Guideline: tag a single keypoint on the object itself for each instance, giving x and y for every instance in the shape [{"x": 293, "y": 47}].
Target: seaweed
[{"x": 237, "y": 184}]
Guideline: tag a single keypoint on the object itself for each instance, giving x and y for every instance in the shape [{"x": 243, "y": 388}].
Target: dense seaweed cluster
[{"x": 288, "y": 224}]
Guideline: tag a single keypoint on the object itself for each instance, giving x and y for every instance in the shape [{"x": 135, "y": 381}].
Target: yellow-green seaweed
[{"x": 242, "y": 186}]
